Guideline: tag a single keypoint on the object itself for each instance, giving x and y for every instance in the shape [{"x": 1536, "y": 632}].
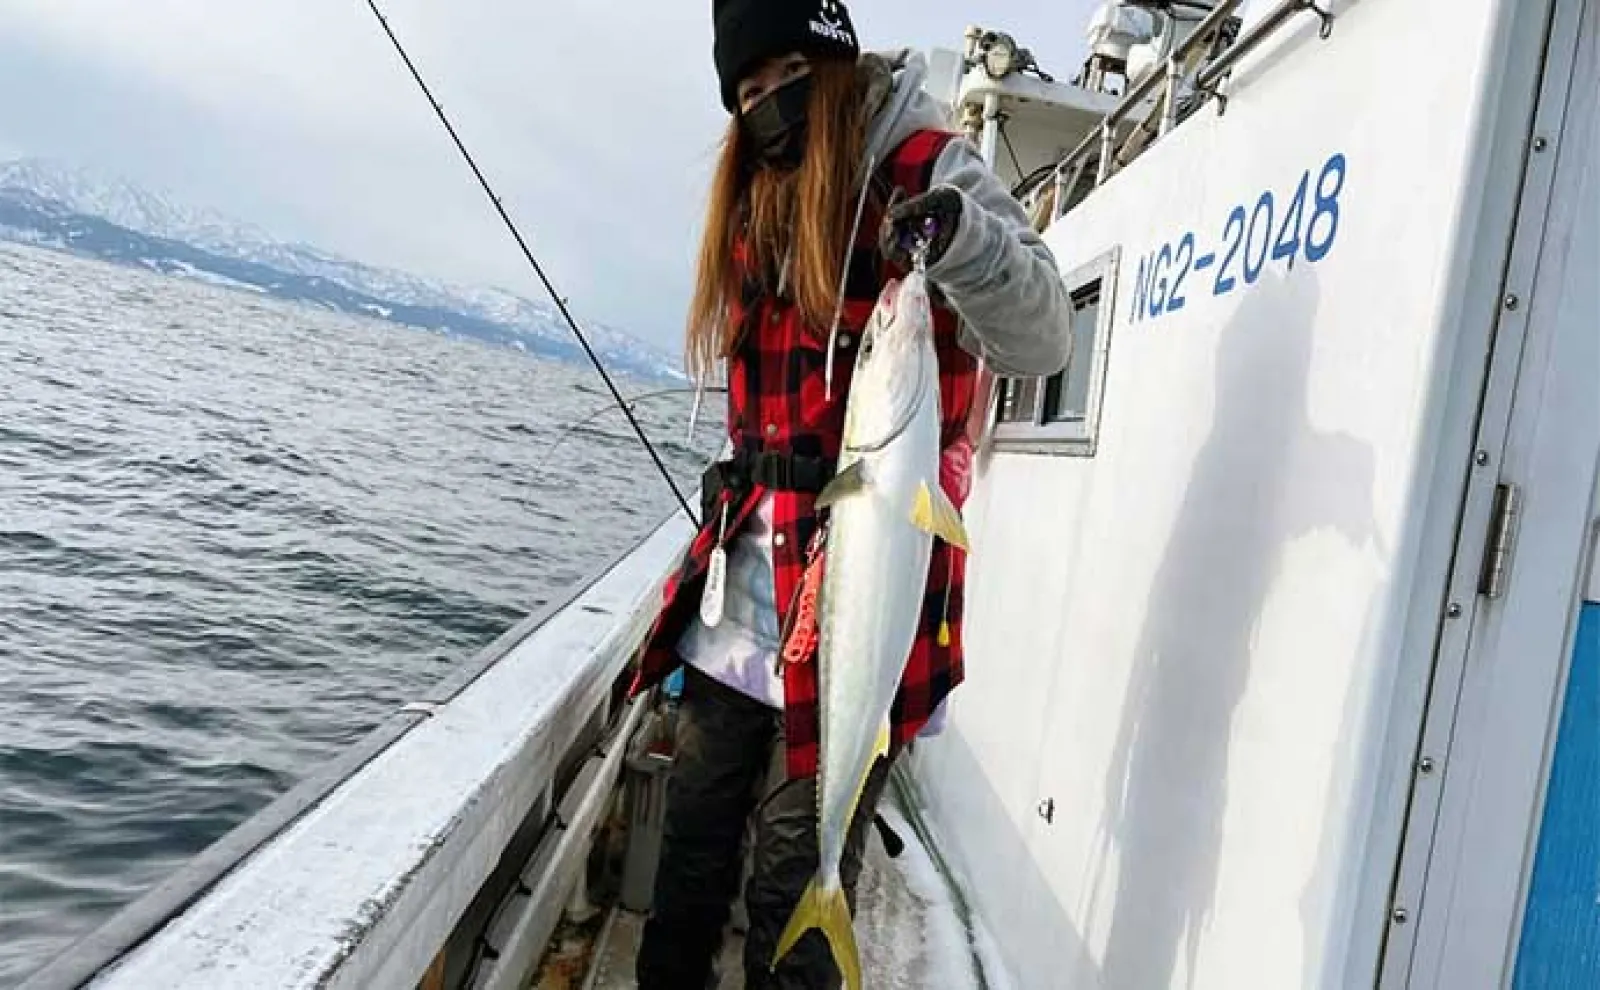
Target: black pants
[{"x": 730, "y": 762}]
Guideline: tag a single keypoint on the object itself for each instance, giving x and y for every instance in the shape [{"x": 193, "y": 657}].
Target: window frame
[{"x": 1078, "y": 438}]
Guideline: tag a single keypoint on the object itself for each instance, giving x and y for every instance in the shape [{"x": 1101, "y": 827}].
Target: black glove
[{"x": 932, "y": 217}]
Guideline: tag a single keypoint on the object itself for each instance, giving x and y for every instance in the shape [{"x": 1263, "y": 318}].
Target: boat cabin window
[{"x": 1060, "y": 414}]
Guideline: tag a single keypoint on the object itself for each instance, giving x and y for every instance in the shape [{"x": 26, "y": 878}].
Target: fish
[{"x": 885, "y": 507}]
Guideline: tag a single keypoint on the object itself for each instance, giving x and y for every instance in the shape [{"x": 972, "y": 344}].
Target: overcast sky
[{"x": 596, "y": 118}]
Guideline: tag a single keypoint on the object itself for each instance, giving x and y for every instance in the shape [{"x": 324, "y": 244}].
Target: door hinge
[{"x": 1497, "y": 552}]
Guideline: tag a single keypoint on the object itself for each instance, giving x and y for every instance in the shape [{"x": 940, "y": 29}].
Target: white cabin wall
[
  {"x": 1530, "y": 670},
  {"x": 1593, "y": 593},
  {"x": 1189, "y": 640}
]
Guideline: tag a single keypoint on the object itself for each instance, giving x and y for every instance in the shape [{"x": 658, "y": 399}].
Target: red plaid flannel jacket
[{"x": 776, "y": 402}]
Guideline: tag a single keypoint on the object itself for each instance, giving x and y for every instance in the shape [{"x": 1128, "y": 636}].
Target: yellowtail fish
[{"x": 886, "y": 508}]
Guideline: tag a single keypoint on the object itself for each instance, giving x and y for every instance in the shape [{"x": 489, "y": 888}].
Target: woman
[{"x": 818, "y": 130}]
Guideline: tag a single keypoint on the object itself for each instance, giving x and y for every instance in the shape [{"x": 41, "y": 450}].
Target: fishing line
[
  {"x": 527, "y": 253},
  {"x": 593, "y": 414}
]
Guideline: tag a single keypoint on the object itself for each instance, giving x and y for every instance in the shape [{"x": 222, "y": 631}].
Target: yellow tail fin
[
  {"x": 829, "y": 911},
  {"x": 931, "y": 511}
]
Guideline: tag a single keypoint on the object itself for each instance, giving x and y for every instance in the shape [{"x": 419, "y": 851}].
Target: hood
[{"x": 901, "y": 107}]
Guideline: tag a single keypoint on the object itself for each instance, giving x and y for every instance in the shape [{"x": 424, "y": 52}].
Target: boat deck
[{"x": 910, "y": 935}]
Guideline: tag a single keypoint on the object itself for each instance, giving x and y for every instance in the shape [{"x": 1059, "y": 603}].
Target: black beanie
[{"x": 750, "y": 31}]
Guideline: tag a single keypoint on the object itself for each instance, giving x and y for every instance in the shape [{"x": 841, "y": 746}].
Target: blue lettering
[{"x": 1252, "y": 238}]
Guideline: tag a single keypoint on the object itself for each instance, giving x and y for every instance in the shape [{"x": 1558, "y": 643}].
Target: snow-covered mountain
[{"x": 75, "y": 209}]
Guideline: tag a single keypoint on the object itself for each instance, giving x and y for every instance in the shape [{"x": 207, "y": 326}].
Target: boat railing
[
  {"x": 1188, "y": 64},
  {"x": 440, "y": 849}
]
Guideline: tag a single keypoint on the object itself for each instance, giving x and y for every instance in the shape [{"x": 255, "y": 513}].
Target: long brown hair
[{"x": 802, "y": 216}]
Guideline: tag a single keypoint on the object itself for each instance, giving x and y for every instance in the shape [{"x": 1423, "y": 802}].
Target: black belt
[
  {"x": 769, "y": 469},
  {"x": 785, "y": 472}
]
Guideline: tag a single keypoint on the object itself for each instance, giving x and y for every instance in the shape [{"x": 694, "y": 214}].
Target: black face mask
[{"x": 775, "y": 128}]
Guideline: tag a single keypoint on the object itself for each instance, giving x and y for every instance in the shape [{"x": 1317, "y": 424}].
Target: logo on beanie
[{"x": 830, "y": 23}]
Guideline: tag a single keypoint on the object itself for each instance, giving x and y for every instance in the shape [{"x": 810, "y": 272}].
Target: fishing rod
[{"x": 527, "y": 253}]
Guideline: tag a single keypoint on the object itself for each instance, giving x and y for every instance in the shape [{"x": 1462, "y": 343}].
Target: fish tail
[{"x": 826, "y": 909}]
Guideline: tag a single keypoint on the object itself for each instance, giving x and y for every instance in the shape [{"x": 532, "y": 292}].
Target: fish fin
[
  {"x": 852, "y": 480},
  {"x": 931, "y": 511},
  {"x": 827, "y": 910},
  {"x": 880, "y": 749}
]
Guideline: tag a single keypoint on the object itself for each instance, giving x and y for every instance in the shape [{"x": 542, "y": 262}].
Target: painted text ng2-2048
[{"x": 1250, "y": 239}]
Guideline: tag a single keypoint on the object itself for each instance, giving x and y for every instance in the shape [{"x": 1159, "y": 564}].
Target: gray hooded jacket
[{"x": 997, "y": 272}]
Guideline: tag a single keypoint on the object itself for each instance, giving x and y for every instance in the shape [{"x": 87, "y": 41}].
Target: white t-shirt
[{"x": 742, "y": 650}]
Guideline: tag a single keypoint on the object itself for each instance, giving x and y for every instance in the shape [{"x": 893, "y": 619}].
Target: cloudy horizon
[{"x": 597, "y": 124}]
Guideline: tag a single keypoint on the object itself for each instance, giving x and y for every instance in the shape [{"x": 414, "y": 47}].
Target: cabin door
[{"x": 1499, "y": 877}]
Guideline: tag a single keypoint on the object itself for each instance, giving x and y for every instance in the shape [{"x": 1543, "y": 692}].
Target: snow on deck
[{"x": 910, "y": 934}]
